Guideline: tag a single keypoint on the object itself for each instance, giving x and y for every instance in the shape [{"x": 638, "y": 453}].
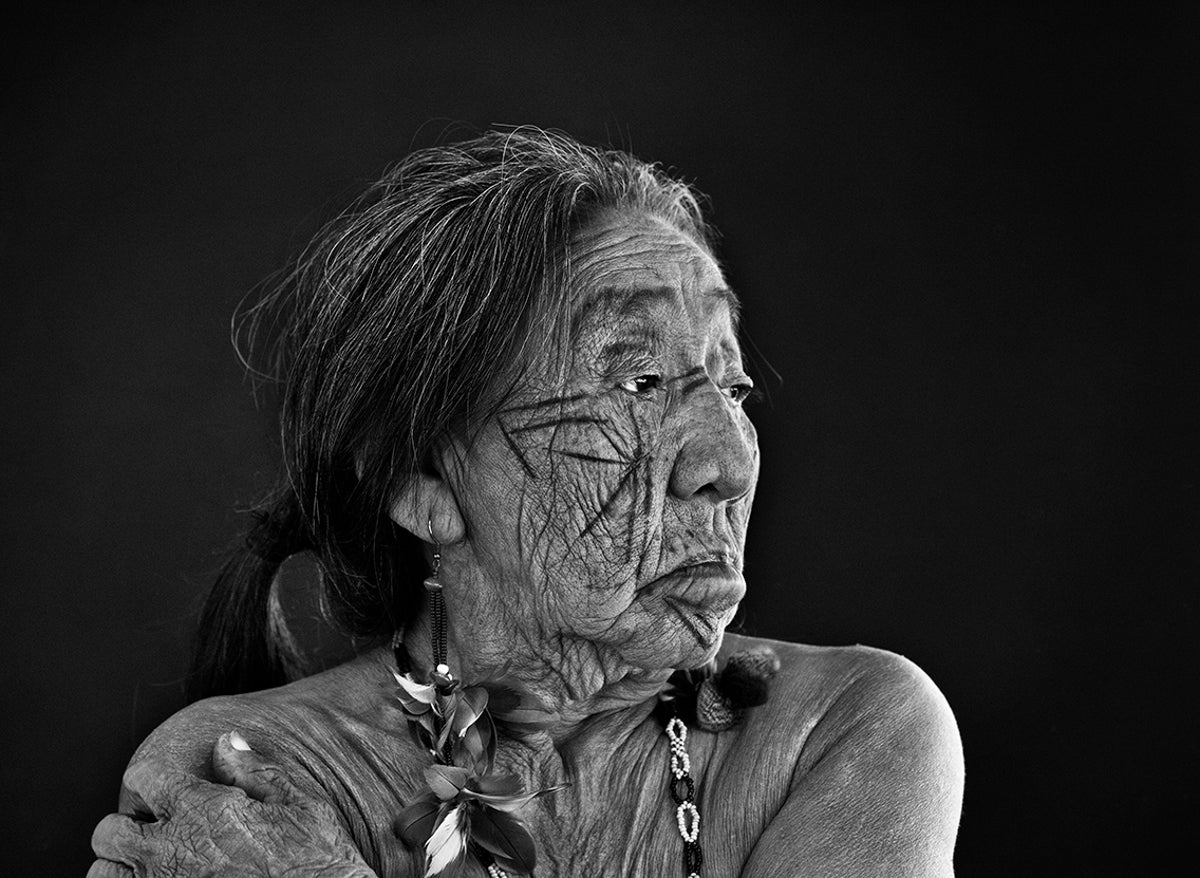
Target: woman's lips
[
  {"x": 699, "y": 594},
  {"x": 709, "y": 586}
]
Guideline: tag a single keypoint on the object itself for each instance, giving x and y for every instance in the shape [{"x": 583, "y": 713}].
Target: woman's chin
[
  {"x": 701, "y": 655},
  {"x": 680, "y": 643},
  {"x": 684, "y": 613}
]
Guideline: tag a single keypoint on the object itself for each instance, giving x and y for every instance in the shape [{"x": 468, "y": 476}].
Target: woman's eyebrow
[
  {"x": 731, "y": 300},
  {"x": 634, "y": 301},
  {"x": 629, "y": 345}
]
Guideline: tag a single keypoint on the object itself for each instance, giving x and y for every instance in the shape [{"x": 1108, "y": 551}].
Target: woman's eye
[
  {"x": 642, "y": 383},
  {"x": 739, "y": 393}
]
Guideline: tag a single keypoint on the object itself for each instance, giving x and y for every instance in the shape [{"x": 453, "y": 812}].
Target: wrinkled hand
[{"x": 260, "y": 826}]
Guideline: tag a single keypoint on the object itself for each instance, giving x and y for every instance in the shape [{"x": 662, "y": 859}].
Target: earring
[{"x": 437, "y": 610}]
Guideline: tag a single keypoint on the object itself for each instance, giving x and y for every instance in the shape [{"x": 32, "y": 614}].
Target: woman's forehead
[
  {"x": 641, "y": 261},
  {"x": 639, "y": 303}
]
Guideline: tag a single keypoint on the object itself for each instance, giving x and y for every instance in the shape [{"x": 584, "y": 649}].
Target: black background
[{"x": 964, "y": 241}]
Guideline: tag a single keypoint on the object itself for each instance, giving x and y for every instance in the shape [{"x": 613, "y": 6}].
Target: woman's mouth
[{"x": 700, "y": 593}]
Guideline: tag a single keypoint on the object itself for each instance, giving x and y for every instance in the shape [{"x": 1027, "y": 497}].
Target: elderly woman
[{"x": 515, "y": 442}]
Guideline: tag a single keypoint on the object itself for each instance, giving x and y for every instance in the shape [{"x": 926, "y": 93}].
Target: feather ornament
[
  {"x": 421, "y": 693},
  {"x": 447, "y": 843},
  {"x": 467, "y": 806},
  {"x": 506, "y": 838}
]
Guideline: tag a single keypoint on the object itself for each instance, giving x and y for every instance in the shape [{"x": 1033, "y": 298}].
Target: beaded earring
[{"x": 437, "y": 608}]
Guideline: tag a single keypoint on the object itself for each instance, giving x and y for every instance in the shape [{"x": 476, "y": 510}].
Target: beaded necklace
[{"x": 687, "y": 817}]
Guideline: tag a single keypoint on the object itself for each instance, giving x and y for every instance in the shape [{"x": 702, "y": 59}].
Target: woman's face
[{"x": 611, "y": 509}]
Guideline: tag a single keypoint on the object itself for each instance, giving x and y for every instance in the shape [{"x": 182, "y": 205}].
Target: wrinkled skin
[
  {"x": 580, "y": 495},
  {"x": 222, "y": 833},
  {"x": 592, "y": 537}
]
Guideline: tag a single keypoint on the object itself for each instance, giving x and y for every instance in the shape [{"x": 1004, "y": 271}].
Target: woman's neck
[{"x": 574, "y": 681}]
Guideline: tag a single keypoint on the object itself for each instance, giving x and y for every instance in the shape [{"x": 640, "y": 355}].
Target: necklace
[
  {"x": 683, "y": 791},
  {"x": 468, "y": 805}
]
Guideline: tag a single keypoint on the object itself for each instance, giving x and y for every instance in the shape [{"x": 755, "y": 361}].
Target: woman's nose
[{"x": 718, "y": 460}]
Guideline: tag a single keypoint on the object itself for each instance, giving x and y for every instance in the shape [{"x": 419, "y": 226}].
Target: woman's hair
[{"x": 405, "y": 321}]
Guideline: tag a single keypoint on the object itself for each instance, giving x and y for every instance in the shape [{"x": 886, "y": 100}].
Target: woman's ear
[{"x": 425, "y": 502}]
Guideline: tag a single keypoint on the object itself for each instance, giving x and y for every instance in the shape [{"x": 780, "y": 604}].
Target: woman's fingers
[
  {"x": 118, "y": 839},
  {"x": 236, "y": 764},
  {"x": 109, "y": 869},
  {"x": 154, "y": 786}
]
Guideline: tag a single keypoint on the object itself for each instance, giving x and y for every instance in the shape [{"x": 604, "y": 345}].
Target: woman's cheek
[{"x": 586, "y": 475}]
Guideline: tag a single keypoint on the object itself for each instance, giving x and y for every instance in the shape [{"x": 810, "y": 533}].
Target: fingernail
[{"x": 238, "y": 742}]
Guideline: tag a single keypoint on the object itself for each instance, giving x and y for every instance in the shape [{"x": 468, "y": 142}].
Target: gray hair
[{"x": 459, "y": 256}]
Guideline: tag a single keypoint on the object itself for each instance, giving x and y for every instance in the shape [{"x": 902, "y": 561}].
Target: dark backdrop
[{"x": 963, "y": 240}]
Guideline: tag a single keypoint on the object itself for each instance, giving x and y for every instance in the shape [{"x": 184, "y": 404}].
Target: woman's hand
[{"x": 259, "y": 825}]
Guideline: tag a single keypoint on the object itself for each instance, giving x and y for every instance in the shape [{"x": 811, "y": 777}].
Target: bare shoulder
[
  {"x": 331, "y": 734},
  {"x": 824, "y": 692},
  {"x": 309, "y": 727},
  {"x": 876, "y": 763}
]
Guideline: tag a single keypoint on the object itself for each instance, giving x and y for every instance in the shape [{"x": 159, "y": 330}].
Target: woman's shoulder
[
  {"x": 335, "y": 694},
  {"x": 312, "y": 725},
  {"x": 823, "y": 696},
  {"x": 334, "y": 735},
  {"x": 820, "y": 675},
  {"x": 861, "y": 749}
]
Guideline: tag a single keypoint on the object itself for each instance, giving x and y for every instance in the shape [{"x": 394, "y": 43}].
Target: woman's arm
[{"x": 878, "y": 790}]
